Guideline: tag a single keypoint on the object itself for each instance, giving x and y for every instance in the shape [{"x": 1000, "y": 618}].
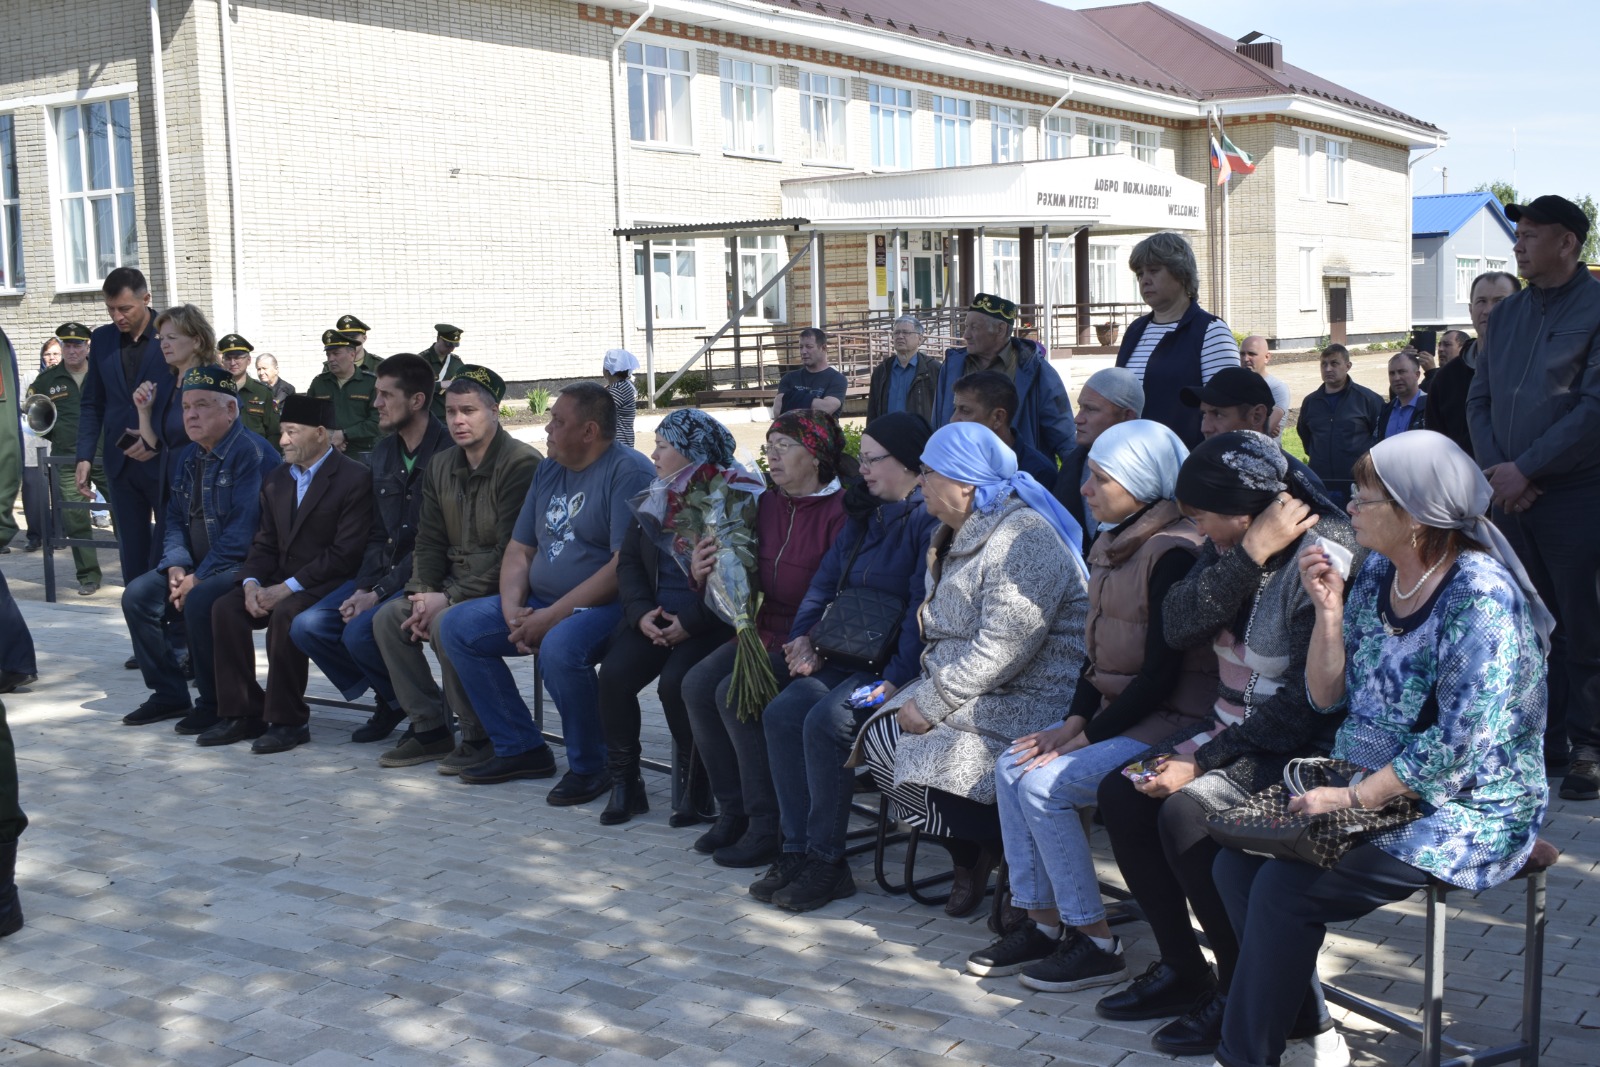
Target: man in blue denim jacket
[{"x": 211, "y": 517}]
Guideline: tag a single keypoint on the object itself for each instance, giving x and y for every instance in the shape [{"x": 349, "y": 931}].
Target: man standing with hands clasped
[{"x": 1534, "y": 411}]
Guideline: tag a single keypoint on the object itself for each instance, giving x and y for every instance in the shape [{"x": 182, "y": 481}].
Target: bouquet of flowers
[{"x": 719, "y": 503}]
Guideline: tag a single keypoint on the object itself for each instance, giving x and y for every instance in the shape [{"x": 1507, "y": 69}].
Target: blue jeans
[
  {"x": 1051, "y": 864},
  {"x": 346, "y": 653},
  {"x": 474, "y": 637},
  {"x": 810, "y": 719},
  {"x": 145, "y": 607}
]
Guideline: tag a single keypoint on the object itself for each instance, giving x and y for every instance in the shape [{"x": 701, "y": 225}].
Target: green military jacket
[
  {"x": 443, "y": 372},
  {"x": 467, "y": 518},
  {"x": 258, "y": 412},
  {"x": 370, "y": 362},
  {"x": 67, "y": 395},
  {"x": 352, "y": 406}
]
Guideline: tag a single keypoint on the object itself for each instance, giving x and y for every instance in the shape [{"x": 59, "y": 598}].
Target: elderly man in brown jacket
[{"x": 471, "y": 495}]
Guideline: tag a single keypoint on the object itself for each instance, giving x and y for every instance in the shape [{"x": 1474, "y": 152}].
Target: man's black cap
[
  {"x": 1550, "y": 209},
  {"x": 1229, "y": 387}
]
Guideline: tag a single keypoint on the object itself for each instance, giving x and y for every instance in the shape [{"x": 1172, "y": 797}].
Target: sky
[{"x": 1466, "y": 66}]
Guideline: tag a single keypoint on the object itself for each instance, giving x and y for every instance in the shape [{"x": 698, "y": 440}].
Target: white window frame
[
  {"x": 119, "y": 194},
  {"x": 1338, "y": 153},
  {"x": 1137, "y": 146},
  {"x": 749, "y": 125},
  {"x": 676, "y": 290},
  {"x": 764, "y": 255},
  {"x": 12, "y": 277},
  {"x": 1101, "y": 138},
  {"x": 1310, "y": 281},
  {"x": 891, "y": 111},
  {"x": 828, "y": 104},
  {"x": 1103, "y": 273},
  {"x": 952, "y": 130},
  {"x": 1062, "y": 274},
  {"x": 663, "y": 77},
  {"x": 1467, "y": 268},
  {"x": 1006, "y": 125},
  {"x": 1055, "y": 133},
  {"x": 1306, "y": 164},
  {"x": 1490, "y": 263},
  {"x": 1005, "y": 267}
]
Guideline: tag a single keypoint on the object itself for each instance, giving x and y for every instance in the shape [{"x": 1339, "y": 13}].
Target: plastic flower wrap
[{"x": 719, "y": 503}]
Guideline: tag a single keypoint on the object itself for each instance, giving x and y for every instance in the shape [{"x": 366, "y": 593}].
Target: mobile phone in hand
[{"x": 128, "y": 440}]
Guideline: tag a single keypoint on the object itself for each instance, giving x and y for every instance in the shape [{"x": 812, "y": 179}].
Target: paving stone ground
[{"x": 209, "y": 907}]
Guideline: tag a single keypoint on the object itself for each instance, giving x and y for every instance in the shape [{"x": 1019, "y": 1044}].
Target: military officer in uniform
[
  {"x": 257, "y": 408},
  {"x": 63, "y": 384},
  {"x": 349, "y": 389},
  {"x": 445, "y": 363},
  {"x": 358, "y": 333}
]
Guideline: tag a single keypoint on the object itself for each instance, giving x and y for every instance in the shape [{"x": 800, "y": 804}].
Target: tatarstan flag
[{"x": 1229, "y": 159}]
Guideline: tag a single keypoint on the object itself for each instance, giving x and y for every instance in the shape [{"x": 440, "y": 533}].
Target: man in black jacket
[
  {"x": 1337, "y": 422},
  {"x": 336, "y": 632},
  {"x": 1447, "y": 398},
  {"x": 907, "y": 380}
]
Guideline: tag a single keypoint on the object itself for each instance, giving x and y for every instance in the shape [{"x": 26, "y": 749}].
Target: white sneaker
[{"x": 1327, "y": 1049}]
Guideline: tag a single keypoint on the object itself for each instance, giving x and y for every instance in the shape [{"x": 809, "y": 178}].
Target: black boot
[
  {"x": 628, "y": 797},
  {"x": 692, "y": 802},
  {"x": 10, "y": 904}
]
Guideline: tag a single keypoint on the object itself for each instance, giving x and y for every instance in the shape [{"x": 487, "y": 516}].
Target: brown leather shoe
[{"x": 971, "y": 884}]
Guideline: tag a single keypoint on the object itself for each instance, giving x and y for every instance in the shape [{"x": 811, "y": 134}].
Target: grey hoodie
[{"x": 1535, "y": 399}]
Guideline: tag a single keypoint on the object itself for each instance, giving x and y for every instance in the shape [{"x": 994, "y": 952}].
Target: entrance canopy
[{"x": 1109, "y": 194}]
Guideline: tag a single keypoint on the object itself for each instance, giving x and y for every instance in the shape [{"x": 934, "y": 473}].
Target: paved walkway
[{"x": 211, "y": 907}]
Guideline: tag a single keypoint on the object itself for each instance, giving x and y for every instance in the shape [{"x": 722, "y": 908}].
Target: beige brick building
[{"x": 283, "y": 162}]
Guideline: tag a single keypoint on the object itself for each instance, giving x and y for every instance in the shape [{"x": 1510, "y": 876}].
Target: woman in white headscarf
[
  {"x": 1437, "y": 651},
  {"x": 1134, "y": 690}
]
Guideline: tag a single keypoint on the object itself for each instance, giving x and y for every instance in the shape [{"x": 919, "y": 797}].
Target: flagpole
[{"x": 1227, "y": 250}]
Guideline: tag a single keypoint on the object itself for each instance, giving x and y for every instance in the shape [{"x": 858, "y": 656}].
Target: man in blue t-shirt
[
  {"x": 816, "y": 385},
  {"x": 558, "y": 598}
]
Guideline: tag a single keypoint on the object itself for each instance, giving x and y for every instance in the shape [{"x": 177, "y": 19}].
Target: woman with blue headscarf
[
  {"x": 1003, "y": 626},
  {"x": 1134, "y": 690},
  {"x": 666, "y": 628}
]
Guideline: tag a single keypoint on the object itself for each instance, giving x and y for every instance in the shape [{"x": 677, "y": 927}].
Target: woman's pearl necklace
[{"x": 1395, "y": 584}]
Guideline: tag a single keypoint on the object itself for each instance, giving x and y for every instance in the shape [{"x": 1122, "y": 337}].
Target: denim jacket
[{"x": 229, "y": 482}]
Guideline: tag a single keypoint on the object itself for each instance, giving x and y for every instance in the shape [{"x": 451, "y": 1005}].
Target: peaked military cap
[
  {"x": 72, "y": 331},
  {"x": 335, "y": 339},
  {"x": 351, "y": 323},
  {"x": 448, "y": 332},
  {"x": 232, "y": 342}
]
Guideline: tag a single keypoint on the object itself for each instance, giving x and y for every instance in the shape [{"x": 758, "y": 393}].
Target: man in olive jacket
[{"x": 483, "y": 480}]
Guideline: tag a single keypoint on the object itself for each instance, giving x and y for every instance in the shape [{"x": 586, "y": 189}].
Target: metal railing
[{"x": 56, "y": 538}]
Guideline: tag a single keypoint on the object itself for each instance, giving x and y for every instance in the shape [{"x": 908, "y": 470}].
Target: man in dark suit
[
  {"x": 316, "y": 513},
  {"x": 121, "y": 355}
]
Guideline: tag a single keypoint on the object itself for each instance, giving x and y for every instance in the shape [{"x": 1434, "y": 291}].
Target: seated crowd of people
[{"x": 1146, "y": 616}]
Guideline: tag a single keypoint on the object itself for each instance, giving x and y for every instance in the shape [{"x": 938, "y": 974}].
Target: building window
[
  {"x": 747, "y": 107},
  {"x": 1058, "y": 137},
  {"x": 890, "y": 111},
  {"x": 952, "y": 131},
  {"x": 1102, "y": 137},
  {"x": 1494, "y": 264},
  {"x": 1003, "y": 270},
  {"x": 99, "y": 229},
  {"x": 1061, "y": 272},
  {"x": 1466, "y": 269},
  {"x": 1146, "y": 143},
  {"x": 1338, "y": 152},
  {"x": 822, "y": 104},
  {"x": 1006, "y": 123},
  {"x": 672, "y": 282},
  {"x": 1103, "y": 274},
  {"x": 1310, "y": 284},
  {"x": 1308, "y": 161},
  {"x": 760, "y": 260},
  {"x": 10, "y": 209},
  {"x": 658, "y": 94}
]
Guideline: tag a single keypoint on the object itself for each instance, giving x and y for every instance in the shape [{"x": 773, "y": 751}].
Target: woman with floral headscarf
[
  {"x": 796, "y": 523},
  {"x": 666, "y": 628}
]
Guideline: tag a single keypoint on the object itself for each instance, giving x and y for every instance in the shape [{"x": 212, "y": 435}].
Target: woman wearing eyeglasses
[{"x": 796, "y": 523}]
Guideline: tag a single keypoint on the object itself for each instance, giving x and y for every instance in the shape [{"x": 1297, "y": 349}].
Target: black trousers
[
  {"x": 633, "y": 662},
  {"x": 16, "y": 643},
  {"x": 1165, "y": 855},
  {"x": 12, "y": 821},
  {"x": 1281, "y": 910}
]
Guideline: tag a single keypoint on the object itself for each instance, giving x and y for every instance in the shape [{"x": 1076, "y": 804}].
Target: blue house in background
[{"x": 1454, "y": 238}]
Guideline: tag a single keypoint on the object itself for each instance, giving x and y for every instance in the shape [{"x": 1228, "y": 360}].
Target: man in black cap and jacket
[{"x": 1534, "y": 410}]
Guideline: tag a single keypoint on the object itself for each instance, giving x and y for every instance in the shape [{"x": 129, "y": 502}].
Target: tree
[{"x": 1507, "y": 194}]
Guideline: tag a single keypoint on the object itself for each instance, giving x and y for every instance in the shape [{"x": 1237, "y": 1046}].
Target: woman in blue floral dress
[{"x": 1437, "y": 653}]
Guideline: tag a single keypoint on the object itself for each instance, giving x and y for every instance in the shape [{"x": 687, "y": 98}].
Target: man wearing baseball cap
[
  {"x": 1534, "y": 411},
  {"x": 1237, "y": 398}
]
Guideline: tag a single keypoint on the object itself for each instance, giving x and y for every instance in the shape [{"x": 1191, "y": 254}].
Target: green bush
[
  {"x": 538, "y": 401},
  {"x": 852, "y": 439},
  {"x": 506, "y": 413},
  {"x": 686, "y": 387}
]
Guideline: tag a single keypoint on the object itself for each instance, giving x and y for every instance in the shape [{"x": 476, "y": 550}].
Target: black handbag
[
  {"x": 1264, "y": 826},
  {"x": 860, "y": 628}
]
